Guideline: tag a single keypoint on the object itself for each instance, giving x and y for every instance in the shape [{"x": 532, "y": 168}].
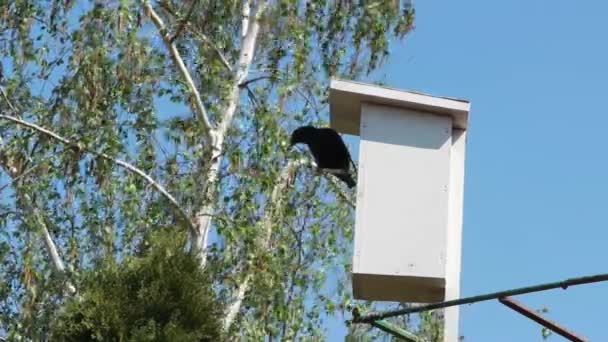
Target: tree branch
[
  {"x": 255, "y": 79},
  {"x": 23, "y": 174},
  {"x": 294, "y": 274},
  {"x": 217, "y": 51},
  {"x": 275, "y": 201},
  {"x": 291, "y": 87},
  {"x": 183, "y": 22},
  {"x": 105, "y": 156},
  {"x": 338, "y": 189},
  {"x": 204, "y": 37},
  {"x": 199, "y": 107},
  {"x": 48, "y": 241},
  {"x": 15, "y": 175}
]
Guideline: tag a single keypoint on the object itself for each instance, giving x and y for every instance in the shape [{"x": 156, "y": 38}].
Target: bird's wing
[{"x": 334, "y": 148}]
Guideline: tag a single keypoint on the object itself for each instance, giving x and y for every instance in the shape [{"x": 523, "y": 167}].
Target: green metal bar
[
  {"x": 494, "y": 295},
  {"x": 396, "y": 331}
]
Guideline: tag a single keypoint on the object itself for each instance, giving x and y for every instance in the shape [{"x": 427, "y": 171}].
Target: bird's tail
[{"x": 348, "y": 179}]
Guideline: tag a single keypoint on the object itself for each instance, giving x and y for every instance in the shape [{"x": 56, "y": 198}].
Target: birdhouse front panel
[{"x": 402, "y": 204}]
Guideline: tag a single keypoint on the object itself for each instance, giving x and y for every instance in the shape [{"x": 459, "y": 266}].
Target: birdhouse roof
[{"x": 346, "y": 97}]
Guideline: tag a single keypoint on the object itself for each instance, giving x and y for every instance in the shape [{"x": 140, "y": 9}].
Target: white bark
[
  {"x": 246, "y": 12},
  {"x": 51, "y": 247},
  {"x": 214, "y": 137},
  {"x": 203, "y": 220},
  {"x": 235, "y": 306},
  {"x": 244, "y": 63}
]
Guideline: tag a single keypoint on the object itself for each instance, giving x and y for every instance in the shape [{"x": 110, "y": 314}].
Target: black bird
[{"x": 328, "y": 149}]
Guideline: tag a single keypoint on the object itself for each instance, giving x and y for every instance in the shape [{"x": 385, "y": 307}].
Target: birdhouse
[{"x": 410, "y": 187}]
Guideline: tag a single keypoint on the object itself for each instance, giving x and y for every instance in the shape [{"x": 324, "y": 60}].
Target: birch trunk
[{"x": 203, "y": 220}]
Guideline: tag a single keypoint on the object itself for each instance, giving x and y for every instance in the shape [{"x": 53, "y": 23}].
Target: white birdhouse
[{"x": 409, "y": 190}]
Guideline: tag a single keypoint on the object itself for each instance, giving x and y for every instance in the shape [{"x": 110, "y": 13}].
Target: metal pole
[
  {"x": 494, "y": 295},
  {"x": 529, "y": 313},
  {"x": 396, "y": 331}
]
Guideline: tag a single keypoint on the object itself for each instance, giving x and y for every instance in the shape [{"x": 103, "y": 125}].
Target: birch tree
[{"x": 118, "y": 118}]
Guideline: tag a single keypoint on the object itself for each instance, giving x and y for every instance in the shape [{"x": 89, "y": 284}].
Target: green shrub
[{"x": 162, "y": 295}]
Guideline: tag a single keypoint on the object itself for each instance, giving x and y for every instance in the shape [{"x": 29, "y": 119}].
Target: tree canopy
[{"x": 119, "y": 119}]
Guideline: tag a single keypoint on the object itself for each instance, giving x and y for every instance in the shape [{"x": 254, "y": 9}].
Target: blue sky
[{"x": 536, "y": 73}]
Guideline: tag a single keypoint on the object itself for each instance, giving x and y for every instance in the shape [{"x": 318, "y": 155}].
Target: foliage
[
  {"x": 106, "y": 77},
  {"x": 162, "y": 296}
]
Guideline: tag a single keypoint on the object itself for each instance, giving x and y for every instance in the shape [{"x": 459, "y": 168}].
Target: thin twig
[
  {"x": 8, "y": 101},
  {"x": 199, "y": 107},
  {"x": 341, "y": 192},
  {"x": 216, "y": 49},
  {"x": 252, "y": 97},
  {"x": 204, "y": 37},
  {"x": 183, "y": 22},
  {"x": 255, "y": 79},
  {"x": 23, "y": 174},
  {"x": 105, "y": 156},
  {"x": 293, "y": 87},
  {"x": 262, "y": 240},
  {"x": 335, "y": 182}
]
